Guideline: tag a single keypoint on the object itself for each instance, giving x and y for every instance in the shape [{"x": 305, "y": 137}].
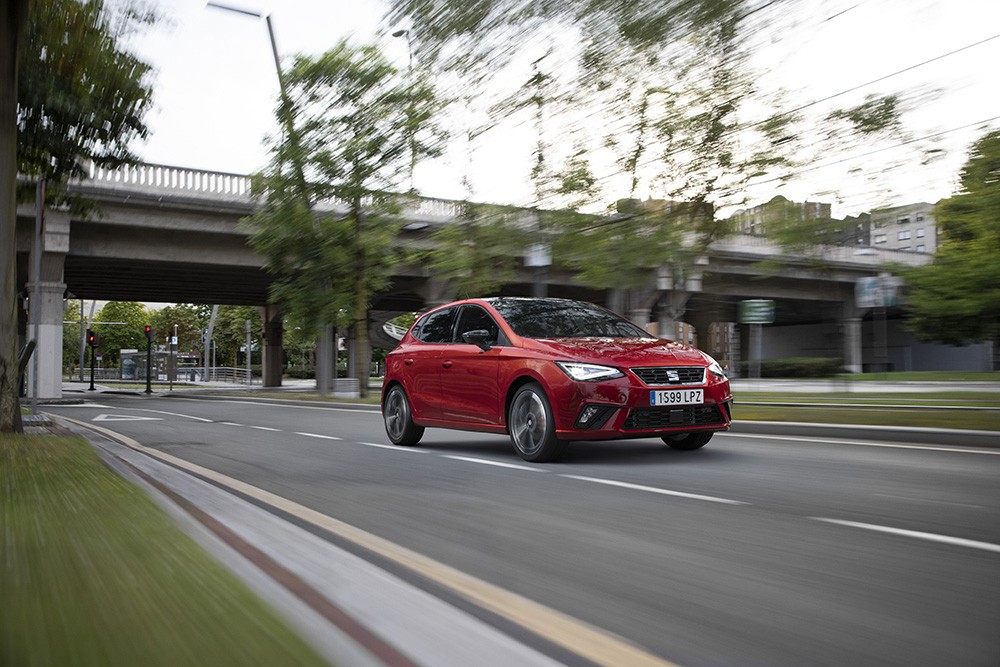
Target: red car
[{"x": 549, "y": 371}]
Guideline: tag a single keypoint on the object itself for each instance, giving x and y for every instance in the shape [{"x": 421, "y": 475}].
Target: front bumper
[{"x": 620, "y": 408}]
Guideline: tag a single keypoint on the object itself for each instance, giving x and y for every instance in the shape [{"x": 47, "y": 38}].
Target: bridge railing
[
  {"x": 159, "y": 178},
  {"x": 181, "y": 180}
]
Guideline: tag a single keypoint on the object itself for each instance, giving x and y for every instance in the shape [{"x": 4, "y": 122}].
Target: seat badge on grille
[{"x": 673, "y": 376}]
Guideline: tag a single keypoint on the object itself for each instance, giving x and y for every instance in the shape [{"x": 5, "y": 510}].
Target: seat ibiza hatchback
[{"x": 547, "y": 372}]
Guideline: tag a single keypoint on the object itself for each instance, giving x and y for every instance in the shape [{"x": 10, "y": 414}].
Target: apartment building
[{"x": 910, "y": 227}]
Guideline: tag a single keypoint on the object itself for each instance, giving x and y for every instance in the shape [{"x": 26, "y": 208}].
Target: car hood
[{"x": 623, "y": 352}]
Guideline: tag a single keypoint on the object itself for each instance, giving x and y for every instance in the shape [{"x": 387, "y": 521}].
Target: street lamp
[
  {"x": 286, "y": 103},
  {"x": 410, "y": 111}
]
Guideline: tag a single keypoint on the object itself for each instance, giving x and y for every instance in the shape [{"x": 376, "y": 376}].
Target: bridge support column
[
  {"x": 48, "y": 358},
  {"x": 436, "y": 292},
  {"x": 48, "y": 312},
  {"x": 272, "y": 355},
  {"x": 852, "y": 339},
  {"x": 672, "y": 305}
]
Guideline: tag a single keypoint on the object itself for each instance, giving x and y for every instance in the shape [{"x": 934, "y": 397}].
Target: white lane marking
[
  {"x": 862, "y": 443},
  {"x": 499, "y": 464},
  {"x": 284, "y": 405},
  {"x": 230, "y": 424},
  {"x": 653, "y": 489},
  {"x": 929, "y": 501},
  {"x": 266, "y": 428},
  {"x": 124, "y": 418},
  {"x": 174, "y": 414},
  {"x": 395, "y": 448},
  {"x": 318, "y": 435},
  {"x": 932, "y": 537}
]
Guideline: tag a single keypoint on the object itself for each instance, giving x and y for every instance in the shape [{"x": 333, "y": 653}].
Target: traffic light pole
[
  {"x": 149, "y": 372},
  {"x": 92, "y": 355}
]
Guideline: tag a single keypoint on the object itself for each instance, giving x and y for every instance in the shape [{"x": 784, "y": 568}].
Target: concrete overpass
[{"x": 169, "y": 234}]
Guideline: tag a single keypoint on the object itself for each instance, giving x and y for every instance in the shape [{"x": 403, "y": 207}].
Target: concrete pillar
[
  {"x": 672, "y": 306},
  {"x": 48, "y": 312},
  {"x": 272, "y": 354},
  {"x": 436, "y": 292},
  {"x": 48, "y": 357},
  {"x": 852, "y": 345}
]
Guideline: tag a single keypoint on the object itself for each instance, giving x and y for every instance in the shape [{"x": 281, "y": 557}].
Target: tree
[
  {"x": 185, "y": 319},
  {"x": 956, "y": 299},
  {"x": 480, "y": 251},
  {"x": 230, "y": 332},
  {"x": 120, "y": 328},
  {"x": 69, "y": 93},
  {"x": 13, "y": 15},
  {"x": 327, "y": 237}
]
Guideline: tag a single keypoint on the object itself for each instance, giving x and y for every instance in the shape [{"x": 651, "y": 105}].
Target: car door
[
  {"x": 469, "y": 374},
  {"x": 422, "y": 362}
]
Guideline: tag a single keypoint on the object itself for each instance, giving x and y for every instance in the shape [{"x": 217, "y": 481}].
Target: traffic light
[
  {"x": 150, "y": 334},
  {"x": 91, "y": 338}
]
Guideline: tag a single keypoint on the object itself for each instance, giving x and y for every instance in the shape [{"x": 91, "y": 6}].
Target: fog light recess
[{"x": 594, "y": 416}]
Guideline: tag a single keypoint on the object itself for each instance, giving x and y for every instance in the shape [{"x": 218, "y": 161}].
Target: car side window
[
  {"x": 437, "y": 327},
  {"x": 473, "y": 318}
]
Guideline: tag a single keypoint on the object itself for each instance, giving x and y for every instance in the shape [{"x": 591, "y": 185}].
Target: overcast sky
[{"x": 215, "y": 89}]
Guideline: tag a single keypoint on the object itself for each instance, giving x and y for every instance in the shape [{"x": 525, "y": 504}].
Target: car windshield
[{"x": 559, "y": 318}]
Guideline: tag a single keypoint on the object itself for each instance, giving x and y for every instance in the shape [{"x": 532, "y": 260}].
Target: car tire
[
  {"x": 531, "y": 425},
  {"x": 398, "y": 418},
  {"x": 688, "y": 441}
]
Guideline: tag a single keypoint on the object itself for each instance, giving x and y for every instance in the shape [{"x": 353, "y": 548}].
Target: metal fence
[{"x": 220, "y": 374}]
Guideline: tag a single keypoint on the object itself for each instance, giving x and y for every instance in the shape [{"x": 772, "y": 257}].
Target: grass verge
[{"x": 95, "y": 573}]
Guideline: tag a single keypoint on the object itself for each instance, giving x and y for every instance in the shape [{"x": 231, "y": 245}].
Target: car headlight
[
  {"x": 588, "y": 372},
  {"x": 713, "y": 367}
]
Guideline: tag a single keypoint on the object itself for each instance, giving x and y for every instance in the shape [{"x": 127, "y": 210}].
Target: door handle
[
  {"x": 408, "y": 362},
  {"x": 446, "y": 364}
]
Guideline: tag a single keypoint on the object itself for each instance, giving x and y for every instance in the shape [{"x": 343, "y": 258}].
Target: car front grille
[
  {"x": 670, "y": 375},
  {"x": 691, "y": 415}
]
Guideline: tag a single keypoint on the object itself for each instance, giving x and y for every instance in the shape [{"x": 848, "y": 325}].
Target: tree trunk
[
  {"x": 13, "y": 14},
  {"x": 360, "y": 316}
]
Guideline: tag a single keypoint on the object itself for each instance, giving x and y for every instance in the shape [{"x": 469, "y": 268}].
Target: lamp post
[
  {"x": 286, "y": 103},
  {"x": 410, "y": 130}
]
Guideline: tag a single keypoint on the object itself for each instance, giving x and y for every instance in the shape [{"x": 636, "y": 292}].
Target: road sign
[
  {"x": 881, "y": 291},
  {"x": 756, "y": 311}
]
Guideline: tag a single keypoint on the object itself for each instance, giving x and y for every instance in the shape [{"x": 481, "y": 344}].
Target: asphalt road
[{"x": 756, "y": 550}]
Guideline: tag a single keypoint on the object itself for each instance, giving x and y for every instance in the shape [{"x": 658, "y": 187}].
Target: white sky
[{"x": 216, "y": 87}]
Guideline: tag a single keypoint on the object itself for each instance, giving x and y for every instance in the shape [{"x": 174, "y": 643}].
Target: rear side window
[
  {"x": 436, "y": 327},
  {"x": 473, "y": 318}
]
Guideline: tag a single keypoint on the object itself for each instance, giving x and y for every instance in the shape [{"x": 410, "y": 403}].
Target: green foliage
[
  {"x": 117, "y": 337},
  {"x": 956, "y": 299},
  {"x": 188, "y": 325},
  {"x": 328, "y": 222},
  {"x": 796, "y": 367},
  {"x": 230, "y": 333},
  {"x": 82, "y": 95},
  {"x": 875, "y": 116},
  {"x": 481, "y": 251}
]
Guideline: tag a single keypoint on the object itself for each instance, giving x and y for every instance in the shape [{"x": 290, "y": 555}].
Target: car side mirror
[{"x": 480, "y": 338}]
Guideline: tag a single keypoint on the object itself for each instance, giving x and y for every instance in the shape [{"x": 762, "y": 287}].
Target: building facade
[{"x": 910, "y": 228}]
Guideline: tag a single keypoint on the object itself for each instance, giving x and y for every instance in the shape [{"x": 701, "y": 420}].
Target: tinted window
[
  {"x": 436, "y": 327},
  {"x": 473, "y": 318},
  {"x": 559, "y": 318}
]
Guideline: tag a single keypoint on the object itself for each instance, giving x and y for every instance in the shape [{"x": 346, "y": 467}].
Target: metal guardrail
[{"x": 186, "y": 374}]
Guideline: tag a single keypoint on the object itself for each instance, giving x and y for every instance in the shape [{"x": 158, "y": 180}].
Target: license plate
[{"x": 677, "y": 397}]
